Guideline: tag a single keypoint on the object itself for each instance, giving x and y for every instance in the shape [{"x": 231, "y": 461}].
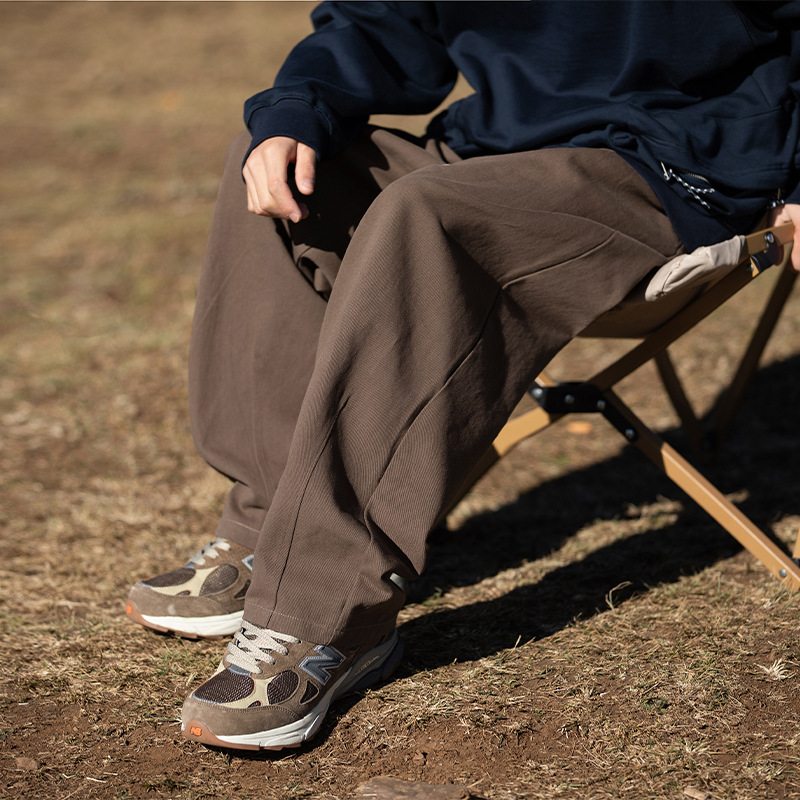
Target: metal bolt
[
  {"x": 538, "y": 391},
  {"x": 601, "y": 405},
  {"x": 630, "y": 434},
  {"x": 769, "y": 237},
  {"x": 569, "y": 399},
  {"x": 782, "y": 573}
]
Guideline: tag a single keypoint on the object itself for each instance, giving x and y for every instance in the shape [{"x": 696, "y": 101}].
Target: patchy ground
[{"x": 582, "y": 632}]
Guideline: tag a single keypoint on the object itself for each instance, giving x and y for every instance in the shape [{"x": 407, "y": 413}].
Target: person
[{"x": 373, "y": 304}]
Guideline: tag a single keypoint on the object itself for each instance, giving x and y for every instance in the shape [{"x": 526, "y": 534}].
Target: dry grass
[{"x": 582, "y": 631}]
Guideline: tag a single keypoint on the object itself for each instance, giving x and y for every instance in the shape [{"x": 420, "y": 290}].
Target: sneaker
[
  {"x": 205, "y": 598},
  {"x": 273, "y": 691}
]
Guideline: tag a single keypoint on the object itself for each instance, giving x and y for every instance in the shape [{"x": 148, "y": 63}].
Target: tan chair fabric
[
  {"x": 659, "y": 311},
  {"x": 675, "y": 285},
  {"x": 697, "y": 267}
]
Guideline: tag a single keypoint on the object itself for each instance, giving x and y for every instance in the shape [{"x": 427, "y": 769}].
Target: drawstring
[{"x": 696, "y": 192}]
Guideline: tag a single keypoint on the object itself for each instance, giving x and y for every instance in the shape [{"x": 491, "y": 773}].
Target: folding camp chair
[{"x": 669, "y": 304}]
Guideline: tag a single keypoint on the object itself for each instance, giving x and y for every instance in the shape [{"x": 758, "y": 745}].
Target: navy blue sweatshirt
[{"x": 700, "y": 97}]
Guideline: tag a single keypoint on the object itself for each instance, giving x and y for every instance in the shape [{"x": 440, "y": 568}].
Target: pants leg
[
  {"x": 261, "y": 301},
  {"x": 459, "y": 285},
  {"x": 255, "y": 313}
]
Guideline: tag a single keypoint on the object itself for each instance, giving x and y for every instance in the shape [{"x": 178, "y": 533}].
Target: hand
[
  {"x": 266, "y": 177},
  {"x": 789, "y": 213}
]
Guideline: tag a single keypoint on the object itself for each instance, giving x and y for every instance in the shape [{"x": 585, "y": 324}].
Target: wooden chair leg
[
  {"x": 708, "y": 497},
  {"x": 731, "y": 399},
  {"x": 672, "y": 384}
]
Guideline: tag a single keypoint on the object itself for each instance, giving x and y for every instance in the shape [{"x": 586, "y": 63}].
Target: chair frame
[{"x": 558, "y": 399}]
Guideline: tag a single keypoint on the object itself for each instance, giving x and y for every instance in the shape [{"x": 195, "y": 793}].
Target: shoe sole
[
  {"x": 375, "y": 666},
  {"x": 214, "y": 627}
]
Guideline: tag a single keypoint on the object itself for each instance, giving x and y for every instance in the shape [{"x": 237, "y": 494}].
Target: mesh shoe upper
[
  {"x": 245, "y": 680},
  {"x": 272, "y": 690},
  {"x": 193, "y": 599}
]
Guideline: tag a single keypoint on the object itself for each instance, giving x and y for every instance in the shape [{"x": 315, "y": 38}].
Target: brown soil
[{"x": 583, "y": 631}]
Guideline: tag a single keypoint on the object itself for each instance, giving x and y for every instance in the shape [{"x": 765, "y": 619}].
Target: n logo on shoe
[{"x": 320, "y": 667}]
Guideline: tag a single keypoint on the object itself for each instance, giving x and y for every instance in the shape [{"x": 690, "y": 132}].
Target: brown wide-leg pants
[{"x": 347, "y": 372}]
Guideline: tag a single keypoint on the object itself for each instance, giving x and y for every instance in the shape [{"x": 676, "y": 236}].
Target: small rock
[
  {"x": 26, "y": 764},
  {"x": 385, "y": 788},
  {"x": 696, "y": 794}
]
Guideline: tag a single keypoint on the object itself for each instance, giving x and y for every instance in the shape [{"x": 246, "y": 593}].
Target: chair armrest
[{"x": 710, "y": 262}]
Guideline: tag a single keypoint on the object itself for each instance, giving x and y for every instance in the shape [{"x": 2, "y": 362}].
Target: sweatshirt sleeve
[
  {"x": 786, "y": 18},
  {"x": 362, "y": 59}
]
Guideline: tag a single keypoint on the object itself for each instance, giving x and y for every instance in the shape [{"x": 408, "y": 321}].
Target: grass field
[{"x": 583, "y": 631}]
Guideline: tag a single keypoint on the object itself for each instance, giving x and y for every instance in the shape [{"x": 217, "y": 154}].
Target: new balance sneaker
[
  {"x": 204, "y": 598},
  {"x": 273, "y": 691}
]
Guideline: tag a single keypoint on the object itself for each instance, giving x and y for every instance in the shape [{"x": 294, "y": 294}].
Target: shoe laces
[
  {"x": 211, "y": 550},
  {"x": 253, "y": 644}
]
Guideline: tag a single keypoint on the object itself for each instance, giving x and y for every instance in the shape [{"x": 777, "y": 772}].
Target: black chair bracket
[{"x": 576, "y": 397}]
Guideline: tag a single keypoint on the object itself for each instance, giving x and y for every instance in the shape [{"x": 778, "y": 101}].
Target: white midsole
[
  {"x": 219, "y": 625},
  {"x": 304, "y": 728},
  {"x": 293, "y": 733}
]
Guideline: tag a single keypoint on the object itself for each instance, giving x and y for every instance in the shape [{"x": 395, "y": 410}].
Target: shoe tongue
[
  {"x": 199, "y": 558},
  {"x": 283, "y": 638}
]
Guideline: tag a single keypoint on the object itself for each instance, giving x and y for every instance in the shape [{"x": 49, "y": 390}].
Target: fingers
[
  {"x": 266, "y": 178},
  {"x": 795, "y": 256},
  {"x": 794, "y": 216},
  {"x": 305, "y": 168},
  {"x": 789, "y": 213}
]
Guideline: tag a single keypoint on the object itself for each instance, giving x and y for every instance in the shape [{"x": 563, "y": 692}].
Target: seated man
[{"x": 362, "y": 335}]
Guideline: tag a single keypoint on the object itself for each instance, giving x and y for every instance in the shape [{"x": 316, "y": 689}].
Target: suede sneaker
[
  {"x": 204, "y": 598},
  {"x": 273, "y": 691}
]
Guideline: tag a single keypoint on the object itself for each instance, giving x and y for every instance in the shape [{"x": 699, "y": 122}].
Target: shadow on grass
[{"x": 759, "y": 457}]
